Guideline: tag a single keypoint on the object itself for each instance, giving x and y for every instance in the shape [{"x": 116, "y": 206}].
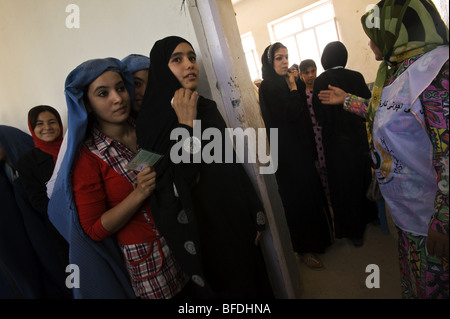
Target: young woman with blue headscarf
[
  {"x": 138, "y": 65},
  {"x": 109, "y": 200},
  {"x": 407, "y": 128}
]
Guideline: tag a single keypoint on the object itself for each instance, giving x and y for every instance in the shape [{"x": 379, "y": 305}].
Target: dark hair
[
  {"x": 267, "y": 60},
  {"x": 91, "y": 119},
  {"x": 33, "y": 114},
  {"x": 272, "y": 49},
  {"x": 305, "y": 64}
]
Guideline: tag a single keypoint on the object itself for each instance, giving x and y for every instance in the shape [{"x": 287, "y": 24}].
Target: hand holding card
[{"x": 142, "y": 159}]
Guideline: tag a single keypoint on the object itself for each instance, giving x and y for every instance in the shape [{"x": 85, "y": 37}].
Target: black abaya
[
  {"x": 299, "y": 184},
  {"x": 346, "y": 148},
  {"x": 214, "y": 206}
]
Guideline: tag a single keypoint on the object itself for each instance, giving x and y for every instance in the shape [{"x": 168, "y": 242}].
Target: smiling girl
[
  {"x": 36, "y": 166},
  {"x": 35, "y": 169}
]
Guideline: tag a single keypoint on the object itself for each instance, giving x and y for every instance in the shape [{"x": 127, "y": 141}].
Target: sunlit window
[
  {"x": 253, "y": 62},
  {"x": 306, "y": 32}
]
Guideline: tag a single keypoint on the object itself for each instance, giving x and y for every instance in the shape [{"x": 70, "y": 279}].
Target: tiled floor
[{"x": 344, "y": 276}]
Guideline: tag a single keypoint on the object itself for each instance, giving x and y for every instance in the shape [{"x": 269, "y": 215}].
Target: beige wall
[
  {"x": 38, "y": 50},
  {"x": 254, "y": 15}
]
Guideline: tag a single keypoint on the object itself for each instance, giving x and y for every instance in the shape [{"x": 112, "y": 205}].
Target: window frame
[{"x": 300, "y": 13}]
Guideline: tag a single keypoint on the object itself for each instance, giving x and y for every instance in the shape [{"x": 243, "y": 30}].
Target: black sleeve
[
  {"x": 284, "y": 104},
  {"x": 364, "y": 91},
  {"x": 322, "y": 112},
  {"x": 187, "y": 149},
  {"x": 192, "y": 147},
  {"x": 35, "y": 189}
]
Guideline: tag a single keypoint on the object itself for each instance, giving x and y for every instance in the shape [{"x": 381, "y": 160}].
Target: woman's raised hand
[{"x": 185, "y": 105}]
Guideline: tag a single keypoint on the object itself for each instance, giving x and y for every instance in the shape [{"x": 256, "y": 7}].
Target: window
[
  {"x": 306, "y": 32},
  {"x": 253, "y": 62}
]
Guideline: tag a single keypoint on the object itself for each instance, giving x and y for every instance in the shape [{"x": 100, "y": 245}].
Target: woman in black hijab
[
  {"x": 209, "y": 212},
  {"x": 346, "y": 147},
  {"x": 283, "y": 106}
]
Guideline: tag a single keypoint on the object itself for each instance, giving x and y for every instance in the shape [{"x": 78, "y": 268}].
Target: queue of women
[{"x": 187, "y": 230}]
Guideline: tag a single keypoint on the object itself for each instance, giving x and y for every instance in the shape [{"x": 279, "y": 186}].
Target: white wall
[{"x": 38, "y": 51}]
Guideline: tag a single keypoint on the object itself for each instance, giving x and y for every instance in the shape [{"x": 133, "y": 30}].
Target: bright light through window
[
  {"x": 306, "y": 32},
  {"x": 251, "y": 56},
  {"x": 316, "y": 16},
  {"x": 287, "y": 27}
]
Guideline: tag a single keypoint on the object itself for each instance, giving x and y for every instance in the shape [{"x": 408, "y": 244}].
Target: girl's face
[
  {"x": 281, "y": 61},
  {"x": 140, "y": 84},
  {"x": 183, "y": 64},
  {"x": 109, "y": 99},
  {"x": 47, "y": 127},
  {"x": 309, "y": 75}
]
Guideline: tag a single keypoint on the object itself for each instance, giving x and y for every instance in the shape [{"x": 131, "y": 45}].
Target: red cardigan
[{"x": 97, "y": 187}]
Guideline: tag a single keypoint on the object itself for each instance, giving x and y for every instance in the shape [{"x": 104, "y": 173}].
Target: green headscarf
[{"x": 405, "y": 28}]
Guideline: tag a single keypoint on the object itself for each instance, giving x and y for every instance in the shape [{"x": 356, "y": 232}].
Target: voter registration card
[{"x": 143, "y": 158}]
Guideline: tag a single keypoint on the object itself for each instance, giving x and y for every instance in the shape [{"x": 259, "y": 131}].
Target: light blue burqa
[
  {"x": 99, "y": 266},
  {"x": 136, "y": 62}
]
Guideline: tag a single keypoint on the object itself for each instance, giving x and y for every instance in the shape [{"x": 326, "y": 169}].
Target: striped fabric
[
  {"x": 152, "y": 268},
  {"x": 114, "y": 153}
]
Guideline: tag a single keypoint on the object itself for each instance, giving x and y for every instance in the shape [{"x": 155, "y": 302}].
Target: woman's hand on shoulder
[
  {"x": 333, "y": 95},
  {"x": 185, "y": 105}
]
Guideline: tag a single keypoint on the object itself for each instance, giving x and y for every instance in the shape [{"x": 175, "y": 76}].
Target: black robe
[
  {"x": 304, "y": 201},
  {"x": 29, "y": 268},
  {"x": 347, "y": 154},
  {"x": 20, "y": 275},
  {"x": 35, "y": 170},
  {"x": 212, "y": 205}
]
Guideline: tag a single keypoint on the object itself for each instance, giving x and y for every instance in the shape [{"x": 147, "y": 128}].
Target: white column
[{"x": 231, "y": 87}]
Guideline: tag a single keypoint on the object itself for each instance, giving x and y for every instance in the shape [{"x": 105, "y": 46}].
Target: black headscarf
[
  {"x": 334, "y": 54},
  {"x": 155, "y": 121},
  {"x": 161, "y": 87},
  {"x": 268, "y": 72},
  {"x": 200, "y": 192}
]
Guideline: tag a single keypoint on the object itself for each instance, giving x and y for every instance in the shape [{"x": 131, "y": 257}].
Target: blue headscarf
[
  {"x": 136, "y": 62},
  {"x": 101, "y": 269},
  {"x": 15, "y": 143}
]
